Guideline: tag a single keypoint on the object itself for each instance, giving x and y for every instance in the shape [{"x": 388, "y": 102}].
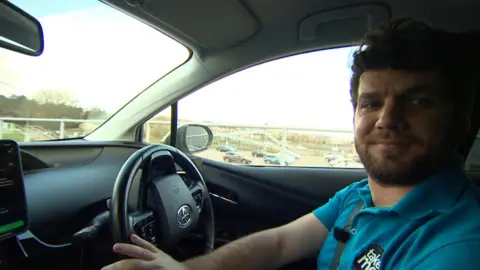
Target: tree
[
  {"x": 94, "y": 113},
  {"x": 56, "y": 97},
  {"x": 22, "y": 107},
  {"x": 16, "y": 106}
]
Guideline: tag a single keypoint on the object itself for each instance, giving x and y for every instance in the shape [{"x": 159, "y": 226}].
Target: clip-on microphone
[{"x": 341, "y": 235}]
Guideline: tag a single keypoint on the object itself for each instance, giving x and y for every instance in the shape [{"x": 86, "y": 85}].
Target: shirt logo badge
[{"x": 369, "y": 259}]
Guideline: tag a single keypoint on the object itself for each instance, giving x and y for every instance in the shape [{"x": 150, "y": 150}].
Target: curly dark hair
[{"x": 409, "y": 45}]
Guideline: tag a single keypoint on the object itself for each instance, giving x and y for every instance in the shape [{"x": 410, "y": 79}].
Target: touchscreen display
[{"x": 13, "y": 204}]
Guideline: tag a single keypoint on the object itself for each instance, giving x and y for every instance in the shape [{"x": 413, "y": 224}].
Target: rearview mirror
[
  {"x": 192, "y": 138},
  {"x": 19, "y": 31}
]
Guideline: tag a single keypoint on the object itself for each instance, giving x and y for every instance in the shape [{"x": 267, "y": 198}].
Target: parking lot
[{"x": 303, "y": 161}]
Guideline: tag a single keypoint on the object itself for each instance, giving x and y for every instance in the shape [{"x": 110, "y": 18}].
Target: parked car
[
  {"x": 295, "y": 156},
  {"x": 258, "y": 153},
  {"x": 289, "y": 159},
  {"x": 236, "y": 157},
  {"x": 330, "y": 158},
  {"x": 271, "y": 159},
  {"x": 339, "y": 163},
  {"x": 226, "y": 148}
]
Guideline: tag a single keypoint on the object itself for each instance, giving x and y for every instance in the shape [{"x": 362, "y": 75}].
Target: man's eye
[
  {"x": 369, "y": 105},
  {"x": 421, "y": 101}
]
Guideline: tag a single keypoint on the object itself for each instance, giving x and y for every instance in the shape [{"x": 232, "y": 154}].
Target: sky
[
  {"x": 106, "y": 57},
  {"x": 101, "y": 55},
  {"x": 307, "y": 90}
]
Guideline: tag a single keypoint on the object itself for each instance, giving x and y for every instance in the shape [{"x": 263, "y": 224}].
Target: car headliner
[
  {"x": 209, "y": 27},
  {"x": 229, "y": 35}
]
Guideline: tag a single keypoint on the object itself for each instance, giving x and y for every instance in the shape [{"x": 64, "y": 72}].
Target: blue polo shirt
[{"x": 435, "y": 226}]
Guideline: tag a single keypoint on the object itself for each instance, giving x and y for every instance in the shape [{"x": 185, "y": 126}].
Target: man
[{"x": 412, "y": 91}]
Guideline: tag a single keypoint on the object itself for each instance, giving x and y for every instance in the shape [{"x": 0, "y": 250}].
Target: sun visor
[
  {"x": 342, "y": 26},
  {"x": 200, "y": 21}
]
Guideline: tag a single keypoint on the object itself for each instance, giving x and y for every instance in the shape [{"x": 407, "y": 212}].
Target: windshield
[{"x": 96, "y": 59}]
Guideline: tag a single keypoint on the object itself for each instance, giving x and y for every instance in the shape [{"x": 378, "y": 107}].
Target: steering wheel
[{"x": 168, "y": 206}]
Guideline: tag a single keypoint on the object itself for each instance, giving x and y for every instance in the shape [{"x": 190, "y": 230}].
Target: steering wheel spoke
[{"x": 145, "y": 225}]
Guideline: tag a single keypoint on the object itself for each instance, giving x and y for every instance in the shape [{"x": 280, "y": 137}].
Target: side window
[{"x": 293, "y": 111}]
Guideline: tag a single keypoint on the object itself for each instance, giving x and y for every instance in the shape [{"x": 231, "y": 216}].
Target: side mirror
[
  {"x": 193, "y": 138},
  {"x": 19, "y": 31}
]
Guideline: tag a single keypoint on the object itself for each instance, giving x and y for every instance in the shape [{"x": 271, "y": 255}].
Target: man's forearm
[{"x": 258, "y": 251}]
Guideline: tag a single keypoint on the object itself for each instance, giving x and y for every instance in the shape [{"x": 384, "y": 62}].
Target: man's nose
[{"x": 392, "y": 116}]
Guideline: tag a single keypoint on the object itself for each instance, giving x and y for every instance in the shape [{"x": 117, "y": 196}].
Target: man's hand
[
  {"x": 145, "y": 256},
  {"x": 269, "y": 249}
]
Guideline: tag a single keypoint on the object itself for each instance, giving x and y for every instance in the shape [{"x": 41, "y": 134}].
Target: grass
[{"x": 16, "y": 136}]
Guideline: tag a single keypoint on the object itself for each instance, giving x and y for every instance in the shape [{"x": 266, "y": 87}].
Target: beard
[{"x": 395, "y": 170}]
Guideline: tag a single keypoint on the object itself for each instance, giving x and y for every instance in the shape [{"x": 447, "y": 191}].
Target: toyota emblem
[{"x": 184, "y": 216}]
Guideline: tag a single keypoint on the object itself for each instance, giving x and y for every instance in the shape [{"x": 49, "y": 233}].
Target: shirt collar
[{"x": 437, "y": 193}]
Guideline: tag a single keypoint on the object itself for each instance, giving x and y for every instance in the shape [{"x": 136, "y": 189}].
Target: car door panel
[
  {"x": 266, "y": 197},
  {"x": 248, "y": 199}
]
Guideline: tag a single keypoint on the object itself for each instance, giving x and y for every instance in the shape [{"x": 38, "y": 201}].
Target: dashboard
[{"x": 67, "y": 184}]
